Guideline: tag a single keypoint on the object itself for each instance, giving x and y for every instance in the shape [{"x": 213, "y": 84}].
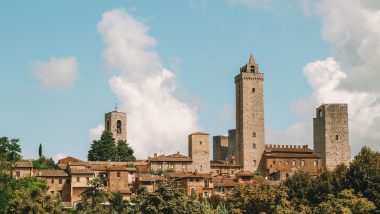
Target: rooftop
[
  {"x": 24, "y": 164},
  {"x": 177, "y": 157},
  {"x": 53, "y": 173}
]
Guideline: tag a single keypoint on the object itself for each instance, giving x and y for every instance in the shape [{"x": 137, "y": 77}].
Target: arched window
[
  {"x": 252, "y": 68},
  {"x": 320, "y": 113},
  {"x": 118, "y": 126},
  {"x": 254, "y": 146},
  {"x": 254, "y": 162},
  {"x": 253, "y": 134},
  {"x": 108, "y": 127}
]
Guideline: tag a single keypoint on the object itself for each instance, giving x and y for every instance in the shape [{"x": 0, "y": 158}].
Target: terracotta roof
[
  {"x": 81, "y": 171},
  {"x": 225, "y": 183},
  {"x": 187, "y": 175},
  {"x": 199, "y": 133},
  {"x": 68, "y": 159},
  {"x": 149, "y": 177},
  {"x": 291, "y": 155},
  {"x": 53, "y": 173},
  {"x": 62, "y": 166},
  {"x": 24, "y": 164},
  {"x": 98, "y": 168},
  {"x": 77, "y": 163},
  {"x": 120, "y": 168},
  {"x": 245, "y": 174},
  {"x": 177, "y": 157}
]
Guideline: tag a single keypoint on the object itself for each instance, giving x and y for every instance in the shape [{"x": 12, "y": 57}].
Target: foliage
[
  {"x": 29, "y": 195},
  {"x": 299, "y": 186},
  {"x": 40, "y": 151},
  {"x": 105, "y": 149},
  {"x": 118, "y": 204},
  {"x": 261, "y": 199},
  {"x": 95, "y": 198},
  {"x": 124, "y": 152},
  {"x": 44, "y": 163},
  {"x": 10, "y": 149}
]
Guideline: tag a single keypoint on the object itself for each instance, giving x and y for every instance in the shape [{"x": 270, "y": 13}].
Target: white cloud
[
  {"x": 95, "y": 133},
  {"x": 350, "y": 76},
  {"x": 56, "y": 74},
  {"x": 157, "y": 120},
  {"x": 58, "y": 157}
]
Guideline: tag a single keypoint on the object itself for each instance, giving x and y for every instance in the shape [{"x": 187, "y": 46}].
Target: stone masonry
[
  {"x": 116, "y": 122},
  {"x": 331, "y": 136},
  {"x": 199, "y": 152},
  {"x": 250, "y": 139},
  {"x": 220, "y": 147}
]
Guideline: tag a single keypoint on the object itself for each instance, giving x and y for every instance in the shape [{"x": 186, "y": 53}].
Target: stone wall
[
  {"x": 199, "y": 151},
  {"x": 220, "y": 147},
  {"x": 331, "y": 135}
]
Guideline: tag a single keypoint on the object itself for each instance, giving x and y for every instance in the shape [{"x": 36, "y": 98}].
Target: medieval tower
[
  {"x": 331, "y": 138},
  {"x": 250, "y": 139},
  {"x": 199, "y": 152},
  {"x": 116, "y": 123}
]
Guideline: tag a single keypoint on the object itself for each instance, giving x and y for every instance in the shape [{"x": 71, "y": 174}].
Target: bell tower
[
  {"x": 250, "y": 139},
  {"x": 116, "y": 123}
]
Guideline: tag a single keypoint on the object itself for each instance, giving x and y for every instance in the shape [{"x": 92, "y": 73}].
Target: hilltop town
[{"x": 242, "y": 157}]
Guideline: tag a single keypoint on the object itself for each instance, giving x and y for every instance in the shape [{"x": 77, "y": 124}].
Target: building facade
[
  {"x": 250, "y": 137},
  {"x": 199, "y": 152},
  {"x": 220, "y": 147},
  {"x": 331, "y": 135}
]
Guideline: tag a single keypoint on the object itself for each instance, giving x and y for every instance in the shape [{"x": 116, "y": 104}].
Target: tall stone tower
[
  {"x": 199, "y": 151},
  {"x": 116, "y": 122},
  {"x": 331, "y": 138},
  {"x": 220, "y": 147},
  {"x": 250, "y": 139}
]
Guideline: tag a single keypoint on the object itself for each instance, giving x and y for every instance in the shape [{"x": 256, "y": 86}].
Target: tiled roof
[
  {"x": 77, "y": 163},
  {"x": 199, "y": 133},
  {"x": 53, "y": 173},
  {"x": 187, "y": 175},
  {"x": 177, "y": 157},
  {"x": 116, "y": 168},
  {"x": 62, "y": 166},
  {"x": 225, "y": 183},
  {"x": 81, "y": 171},
  {"x": 24, "y": 164},
  {"x": 68, "y": 159},
  {"x": 245, "y": 174},
  {"x": 98, "y": 168},
  {"x": 125, "y": 191},
  {"x": 149, "y": 177}
]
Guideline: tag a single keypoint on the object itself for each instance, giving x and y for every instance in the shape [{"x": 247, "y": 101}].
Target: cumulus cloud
[
  {"x": 95, "y": 133},
  {"x": 56, "y": 74},
  {"x": 350, "y": 76},
  {"x": 157, "y": 120}
]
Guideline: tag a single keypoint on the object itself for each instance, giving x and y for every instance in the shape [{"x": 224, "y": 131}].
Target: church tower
[
  {"x": 250, "y": 139},
  {"x": 116, "y": 123}
]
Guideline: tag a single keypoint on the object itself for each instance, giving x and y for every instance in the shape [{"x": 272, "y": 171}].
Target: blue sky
[{"x": 204, "y": 43}]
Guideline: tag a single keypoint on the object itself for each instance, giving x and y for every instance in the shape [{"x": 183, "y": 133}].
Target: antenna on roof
[{"x": 116, "y": 107}]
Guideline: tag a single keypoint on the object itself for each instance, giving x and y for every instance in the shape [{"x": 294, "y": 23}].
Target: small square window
[
  {"x": 254, "y": 146},
  {"x": 253, "y": 89},
  {"x": 302, "y": 163},
  {"x": 294, "y": 163},
  {"x": 254, "y": 162},
  {"x": 60, "y": 181},
  {"x": 253, "y": 134},
  {"x": 78, "y": 179},
  {"x": 118, "y": 174},
  {"x": 315, "y": 163},
  {"x": 52, "y": 181},
  {"x": 200, "y": 142},
  {"x": 336, "y": 137}
]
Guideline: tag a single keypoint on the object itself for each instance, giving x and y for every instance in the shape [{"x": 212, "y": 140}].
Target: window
[
  {"x": 201, "y": 168},
  {"x": 302, "y": 163},
  {"x": 78, "y": 179},
  {"x": 51, "y": 192},
  {"x": 52, "y": 181},
  {"x": 118, "y": 174},
  {"x": 68, "y": 180},
  {"x": 253, "y": 89},
  {"x": 336, "y": 137},
  {"x": 108, "y": 126},
  {"x": 254, "y": 162},
  {"x": 118, "y": 128},
  {"x": 254, "y": 145},
  {"x": 274, "y": 162},
  {"x": 206, "y": 183},
  {"x": 60, "y": 181},
  {"x": 18, "y": 174},
  {"x": 294, "y": 163},
  {"x": 200, "y": 142},
  {"x": 87, "y": 179},
  {"x": 287, "y": 174},
  {"x": 315, "y": 163},
  {"x": 253, "y": 68},
  {"x": 253, "y": 134},
  {"x": 320, "y": 113}
]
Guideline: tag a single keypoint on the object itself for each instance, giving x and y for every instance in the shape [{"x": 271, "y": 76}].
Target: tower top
[
  {"x": 115, "y": 110},
  {"x": 251, "y": 59},
  {"x": 251, "y": 66}
]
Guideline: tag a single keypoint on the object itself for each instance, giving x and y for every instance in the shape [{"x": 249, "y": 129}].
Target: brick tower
[
  {"x": 250, "y": 139},
  {"x": 331, "y": 138},
  {"x": 116, "y": 122}
]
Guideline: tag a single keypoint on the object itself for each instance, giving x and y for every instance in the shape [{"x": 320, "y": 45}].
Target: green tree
[
  {"x": 40, "y": 150},
  {"x": 118, "y": 204},
  {"x": 298, "y": 187},
  {"x": 10, "y": 149},
  {"x": 345, "y": 202},
  {"x": 364, "y": 175},
  {"x": 94, "y": 198},
  {"x": 322, "y": 186},
  {"x": 103, "y": 149},
  {"x": 124, "y": 152},
  {"x": 44, "y": 163}
]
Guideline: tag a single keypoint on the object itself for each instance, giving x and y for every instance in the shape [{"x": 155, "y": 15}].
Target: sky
[{"x": 170, "y": 65}]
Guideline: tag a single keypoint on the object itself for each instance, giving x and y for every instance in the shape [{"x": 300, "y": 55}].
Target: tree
[
  {"x": 118, "y": 204},
  {"x": 124, "y": 152},
  {"x": 94, "y": 198},
  {"x": 103, "y": 149},
  {"x": 364, "y": 175},
  {"x": 40, "y": 150},
  {"x": 44, "y": 163},
  {"x": 10, "y": 150},
  {"x": 298, "y": 187}
]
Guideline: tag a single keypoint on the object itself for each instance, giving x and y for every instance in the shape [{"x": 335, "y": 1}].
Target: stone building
[
  {"x": 193, "y": 183},
  {"x": 175, "y": 162},
  {"x": 22, "y": 169},
  {"x": 250, "y": 139},
  {"x": 282, "y": 161},
  {"x": 199, "y": 152},
  {"x": 220, "y": 147},
  {"x": 231, "y": 142},
  {"x": 116, "y": 123},
  {"x": 331, "y": 135}
]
